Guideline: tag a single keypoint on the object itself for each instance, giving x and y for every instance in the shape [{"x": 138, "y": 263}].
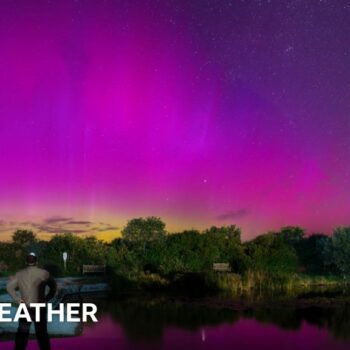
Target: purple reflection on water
[{"x": 245, "y": 334}]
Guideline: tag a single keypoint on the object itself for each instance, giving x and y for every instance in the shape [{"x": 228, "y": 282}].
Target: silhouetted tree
[
  {"x": 292, "y": 235},
  {"x": 341, "y": 249},
  {"x": 144, "y": 229},
  {"x": 23, "y": 238},
  {"x": 269, "y": 253},
  {"x": 311, "y": 253},
  {"x": 231, "y": 232}
]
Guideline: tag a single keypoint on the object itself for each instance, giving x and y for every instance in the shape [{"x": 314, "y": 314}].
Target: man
[{"x": 31, "y": 282}]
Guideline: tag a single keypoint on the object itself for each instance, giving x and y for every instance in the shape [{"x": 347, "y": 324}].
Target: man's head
[{"x": 31, "y": 259}]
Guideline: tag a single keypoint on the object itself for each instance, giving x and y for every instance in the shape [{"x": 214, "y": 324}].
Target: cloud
[
  {"x": 69, "y": 225},
  {"x": 26, "y": 223},
  {"x": 58, "y": 225},
  {"x": 74, "y": 222},
  {"x": 56, "y": 219},
  {"x": 233, "y": 214},
  {"x": 58, "y": 229},
  {"x": 107, "y": 228}
]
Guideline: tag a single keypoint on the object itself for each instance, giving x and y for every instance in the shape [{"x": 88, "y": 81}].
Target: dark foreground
[{"x": 164, "y": 322}]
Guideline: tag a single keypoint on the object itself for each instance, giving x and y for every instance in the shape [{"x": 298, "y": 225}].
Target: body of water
[{"x": 167, "y": 323}]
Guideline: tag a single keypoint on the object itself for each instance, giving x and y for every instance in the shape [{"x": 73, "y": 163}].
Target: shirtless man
[{"x": 31, "y": 282}]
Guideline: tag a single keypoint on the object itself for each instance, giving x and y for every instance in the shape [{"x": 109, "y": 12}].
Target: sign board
[
  {"x": 65, "y": 256},
  {"x": 223, "y": 267},
  {"x": 94, "y": 269}
]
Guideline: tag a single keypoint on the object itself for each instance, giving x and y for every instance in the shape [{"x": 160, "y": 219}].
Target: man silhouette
[{"x": 31, "y": 282}]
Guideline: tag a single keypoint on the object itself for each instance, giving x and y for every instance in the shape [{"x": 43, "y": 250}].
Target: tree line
[{"x": 145, "y": 247}]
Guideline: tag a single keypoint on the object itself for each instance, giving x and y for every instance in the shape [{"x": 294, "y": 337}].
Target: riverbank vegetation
[{"x": 146, "y": 256}]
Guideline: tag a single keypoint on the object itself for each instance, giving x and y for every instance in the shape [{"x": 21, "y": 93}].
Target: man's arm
[
  {"x": 11, "y": 287},
  {"x": 52, "y": 288}
]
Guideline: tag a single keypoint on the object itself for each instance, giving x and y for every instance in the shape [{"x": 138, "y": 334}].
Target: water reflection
[
  {"x": 167, "y": 323},
  {"x": 146, "y": 319}
]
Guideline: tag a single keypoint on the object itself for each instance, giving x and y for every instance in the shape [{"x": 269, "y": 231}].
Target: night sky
[{"x": 200, "y": 112}]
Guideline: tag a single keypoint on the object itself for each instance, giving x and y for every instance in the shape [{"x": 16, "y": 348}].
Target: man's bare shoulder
[
  {"x": 43, "y": 272},
  {"x": 37, "y": 271},
  {"x": 21, "y": 272}
]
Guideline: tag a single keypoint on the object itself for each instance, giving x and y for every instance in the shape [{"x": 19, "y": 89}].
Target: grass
[{"x": 250, "y": 284}]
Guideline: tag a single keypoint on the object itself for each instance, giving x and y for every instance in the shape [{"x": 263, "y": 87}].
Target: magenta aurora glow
[{"x": 201, "y": 113}]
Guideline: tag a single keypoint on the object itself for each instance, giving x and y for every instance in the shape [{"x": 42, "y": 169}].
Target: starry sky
[{"x": 201, "y": 112}]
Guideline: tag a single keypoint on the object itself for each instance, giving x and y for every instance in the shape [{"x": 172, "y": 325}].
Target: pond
[{"x": 171, "y": 323}]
